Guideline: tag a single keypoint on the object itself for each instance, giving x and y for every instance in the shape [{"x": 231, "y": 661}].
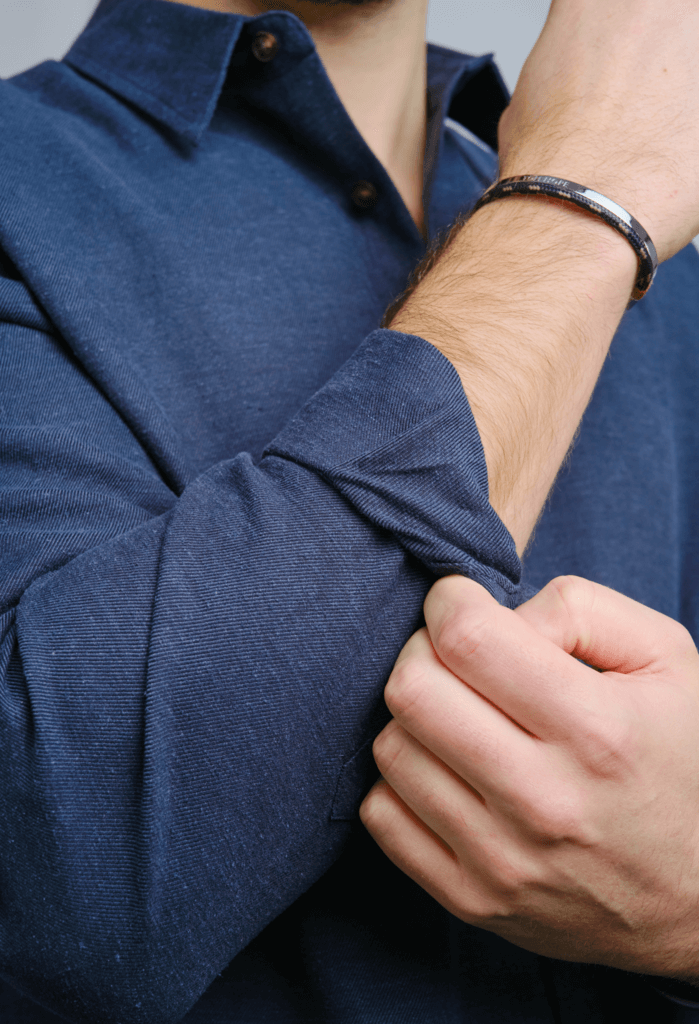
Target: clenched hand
[{"x": 536, "y": 797}]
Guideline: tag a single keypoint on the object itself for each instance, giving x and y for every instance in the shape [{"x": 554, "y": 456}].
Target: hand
[
  {"x": 536, "y": 797},
  {"x": 609, "y": 96}
]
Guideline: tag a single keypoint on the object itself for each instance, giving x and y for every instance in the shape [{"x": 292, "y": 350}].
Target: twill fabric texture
[{"x": 224, "y": 494}]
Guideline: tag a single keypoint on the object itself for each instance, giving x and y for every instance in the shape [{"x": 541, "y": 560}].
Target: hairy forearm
[{"x": 525, "y": 301}]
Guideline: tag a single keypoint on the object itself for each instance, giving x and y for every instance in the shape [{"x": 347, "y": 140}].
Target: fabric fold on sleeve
[
  {"x": 393, "y": 432},
  {"x": 187, "y": 681}
]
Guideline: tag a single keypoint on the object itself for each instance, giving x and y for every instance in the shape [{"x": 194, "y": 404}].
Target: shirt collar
[
  {"x": 171, "y": 60},
  {"x": 168, "y": 59}
]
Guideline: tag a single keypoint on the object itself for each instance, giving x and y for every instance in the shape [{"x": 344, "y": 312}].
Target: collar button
[
  {"x": 264, "y": 47},
  {"x": 364, "y": 195}
]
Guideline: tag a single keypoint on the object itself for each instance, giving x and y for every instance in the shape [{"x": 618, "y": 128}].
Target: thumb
[{"x": 601, "y": 627}]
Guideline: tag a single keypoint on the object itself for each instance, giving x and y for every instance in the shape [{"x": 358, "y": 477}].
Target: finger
[
  {"x": 481, "y": 745},
  {"x": 502, "y": 657},
  {"x": 419, "y": 853},
  {"x": 435, "y": 794},
  {"x": 602, "y": 627},
  {"x": 478, "y": 831}
]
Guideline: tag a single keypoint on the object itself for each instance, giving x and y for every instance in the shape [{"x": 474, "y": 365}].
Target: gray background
[{"x": 34, "y": 30}]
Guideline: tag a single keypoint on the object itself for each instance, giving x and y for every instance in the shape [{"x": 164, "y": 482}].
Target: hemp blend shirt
[{"x": 224, "y": 494}]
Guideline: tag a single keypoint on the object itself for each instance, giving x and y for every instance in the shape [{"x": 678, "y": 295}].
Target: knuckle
[
  {"x": 372, "y": 809},
  {"x": 675, "y": 656},
  {"x": 609, "y": 746},
  {"x": 557, "y": 821},
  {"x": 510, "y": 880},
  {"x": 462, "y": 631},
  {"x": 406, "y": 685},
  {"x": 679, "y": 638},
  {"x": 576, "y": 593},
  {"x": 669, "y": 642},
  {"x": 387, "y": 747},
  {"x": 553, "y": 818}
]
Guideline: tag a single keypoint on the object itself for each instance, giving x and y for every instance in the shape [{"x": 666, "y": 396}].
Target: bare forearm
[
  {"x": 526, "y": 299},
  {"x": 525, "y": 302}
]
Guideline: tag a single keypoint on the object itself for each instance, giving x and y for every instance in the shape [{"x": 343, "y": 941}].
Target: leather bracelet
[{"x": 587, "y": 199}]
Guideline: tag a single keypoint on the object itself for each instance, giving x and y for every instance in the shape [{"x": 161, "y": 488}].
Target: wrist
[
  {"x": 621, "y": 184},
  {"x": 523, "y": 259},
  {"x": 589, "y": 201}
]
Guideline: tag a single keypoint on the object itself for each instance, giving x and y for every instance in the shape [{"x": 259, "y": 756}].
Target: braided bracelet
[{"x": 587, "y": 199}]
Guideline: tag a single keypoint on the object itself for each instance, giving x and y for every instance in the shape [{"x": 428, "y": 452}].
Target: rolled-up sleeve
[{"x": 184, "y": 676}]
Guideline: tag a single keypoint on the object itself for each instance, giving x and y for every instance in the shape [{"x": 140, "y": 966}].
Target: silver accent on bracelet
[{"x": 594, "y": 202}]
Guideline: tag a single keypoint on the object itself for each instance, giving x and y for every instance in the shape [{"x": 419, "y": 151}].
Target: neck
[{"x": 374, "y": 54}]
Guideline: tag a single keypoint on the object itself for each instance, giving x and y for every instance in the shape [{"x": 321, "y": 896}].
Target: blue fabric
[{"x": 224, "y": 494}]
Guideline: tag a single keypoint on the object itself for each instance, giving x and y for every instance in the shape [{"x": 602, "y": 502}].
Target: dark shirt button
[
  {"x": 264, "y": 46},
  {"x": 364, "y": 195}
]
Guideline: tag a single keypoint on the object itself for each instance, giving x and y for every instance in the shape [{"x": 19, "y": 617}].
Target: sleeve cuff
[{"x": 393, "y": 432}]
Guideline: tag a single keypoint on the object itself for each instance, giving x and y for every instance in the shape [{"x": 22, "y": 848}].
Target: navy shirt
[{"x": 224, "y": 494}]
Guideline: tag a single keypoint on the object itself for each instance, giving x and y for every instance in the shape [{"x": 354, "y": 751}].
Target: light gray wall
[
  {"x": 34, "y": 30},
  {"x": 508, "y": 28}
]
